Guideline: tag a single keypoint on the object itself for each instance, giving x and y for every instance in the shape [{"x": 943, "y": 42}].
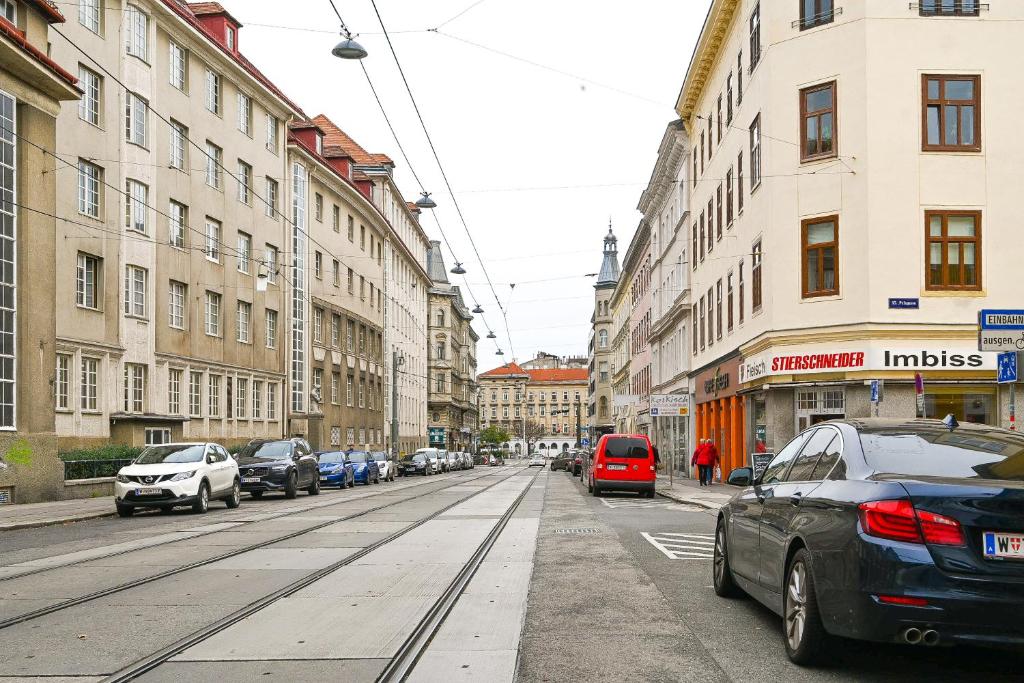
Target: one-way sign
[{"x": 1000, "y": 330}]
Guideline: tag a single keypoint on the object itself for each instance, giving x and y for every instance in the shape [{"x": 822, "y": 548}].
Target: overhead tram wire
[{"x": 444, "y": 175}]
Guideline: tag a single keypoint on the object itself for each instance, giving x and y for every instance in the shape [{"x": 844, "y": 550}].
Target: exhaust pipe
[
  {"x": 930, "y": 638},
  {"x": 913, "y": 636}
]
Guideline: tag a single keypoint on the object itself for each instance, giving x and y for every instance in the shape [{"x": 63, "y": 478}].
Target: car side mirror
[
  {"x": 296, "y": 456},
  {"x": 741, "y": 476}
]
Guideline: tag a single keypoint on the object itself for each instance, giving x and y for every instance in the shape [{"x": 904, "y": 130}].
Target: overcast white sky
[{"x": 503, "y": 128}]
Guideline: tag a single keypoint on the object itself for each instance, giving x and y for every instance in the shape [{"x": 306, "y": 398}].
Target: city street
[{"x": 493, "y": 574}]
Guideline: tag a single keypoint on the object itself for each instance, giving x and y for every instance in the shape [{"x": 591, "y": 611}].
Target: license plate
[
  {"x": 997, "y": 545},
  {"x": 250, "y": 480},
  {"x": 323, "y": 478},
  {"x": 616, "y": 467},
  {"x": 148, "y": 492}
]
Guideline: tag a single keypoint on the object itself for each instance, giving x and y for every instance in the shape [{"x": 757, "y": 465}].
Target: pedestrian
[
  {"x": 698, "y": 458},
  {"x": 710, "y": 461},
  {"x": 657, "y": 457}
]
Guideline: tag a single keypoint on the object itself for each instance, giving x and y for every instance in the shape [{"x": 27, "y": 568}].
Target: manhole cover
[{"x": 584, "y": 530}]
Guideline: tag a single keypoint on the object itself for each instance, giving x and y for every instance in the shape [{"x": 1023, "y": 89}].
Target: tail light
[
  {"x": 906, "y": 600},
  {"x": 898, "y": 520}
]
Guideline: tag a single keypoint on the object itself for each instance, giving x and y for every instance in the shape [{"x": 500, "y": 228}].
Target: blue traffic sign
[
  {"x": 874, "y": 391},
  {"x": 1001, "y": 319},
  {"x": 584, "y": 442},
  {"x": 1007, "y": 367},
  {"x": 905, "y": 303}
]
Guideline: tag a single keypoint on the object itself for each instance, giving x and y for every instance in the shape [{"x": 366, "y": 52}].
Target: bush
[{"x": 108, "y": 452}]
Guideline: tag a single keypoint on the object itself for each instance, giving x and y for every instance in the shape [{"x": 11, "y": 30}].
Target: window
[
  {"x": 335, "y": 330},
  {"x": 243, "y": 316},
  {"x": 693, "y": 334},
  {"x": 176, "y": 305},
  {"x": 174, "y": 391},
  {"x": 318, "y": 325},
  {"x": 89, "y": 106},
  {"x": 702, "y": 151},
  {"x": 695, "y": 166},
  {"x": 271, "y": 325},
  {"x": 739, "y": 78},
  {"x": 270, "y": 263},
  {"x": 362, "y": 393},
  {"x": 951, "y": 107},
  {"x": 89, "y": 14},
  {"x": 89, "y": 383},
  {"x": 270, "y": 200},
  {"x": 718, "y": 211},
  {"x": 245, "y": 114},
  {"x": 728, "y": 302},
  {"x": 755, "y": 37},
  {"x": 728, "y": 99},
  {"x": 711, "y": 225},
  {"x": 134, "y": 388},
  {"x": 702, "y": 330},
  {"x": 62, "y": 382},
  {"x": 271, "y": 400},
  {"x": 213, "y": 314},
  {"x": 335, "y": 388},
  {"x": 718, "y": 308},
  {"x": 212, "y": 247},
  {"x": 777, "y": 467},
  {"x": 229, "y": 37},
  {"x": 953, "y": 240},
  {"x": 349, "y": 336},
  {"x": 349, "y": 391},
  {"x": 137, "y": 32},
  {"x": 214, "y": 165},
  {"x": 272, "y": 125},
  {"x": 351, "y": 229},
  {"x": 336, "y": 218},
  {"x": 755, "y": 153},
  {"x": 439, "y": 383},
  {"x": 755, "y": 271},
  {"x": 439, "y": 351},
  {"x": 178, "y": 66},
  {"x": 135, "y": 119},
  {"x": 949, "y": 8},
  {"x": 351, "y": 281},
  {"x": 87, "y": 281},
  {"x": 244, "y": 252},
  {"x": 241, "y": 398},
  {"x": 693, "y": 248},
  {"x": 318, "y": 206},
  {"x": 213, "y": 396},
  {"x": 244, "y": 182},
  {"x": 817, "y": 120},
  {"x": 602, "y": 339},
  {"x": 318, "y": 265},
  {"x": 178, "y": 147},
  {"x": 213, "y": 92},
  {"x": 820, "y": 256},
  {"x": 336, "y": 272},
  {"x": 816, "y": 13},
  {"x": 89, "y": 178},
  {"x": 729, "y": 196},
  {"x": 195, "y": 388},
  {"x": 739, "y": 301},
  {"x": 739, "y": 183},
  {"x": 135, "y": 291},
  {"x": 362, "y": 237},
  {"x": 711, "y": 317},
  {"x": 719, "y": 119},
  {"x": 257, "y": 399},
  {"x": 136, "y": 199},
  {"x": 702, "y": 242}
]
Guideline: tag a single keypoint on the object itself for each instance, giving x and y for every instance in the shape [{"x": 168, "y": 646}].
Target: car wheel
[
  {"x": 235, "y": 499},
  {"x": 597, "y": 490},
  {"x": 725, "y": 586},
  {"x": 256, "y": 494},
  {"x": 803, "y": 631},
  {"x": 202, "y": 503},
  {"x": 314, "y": 488},
  {"x": 291, "y": 489},
  {"x": 125, "y": 510},
  {"x": 352, "y": 482}
]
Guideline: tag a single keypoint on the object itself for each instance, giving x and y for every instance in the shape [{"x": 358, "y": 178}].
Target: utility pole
[
  {"x": 396, "y": 360},
  {"x": 577, "y": 423}
]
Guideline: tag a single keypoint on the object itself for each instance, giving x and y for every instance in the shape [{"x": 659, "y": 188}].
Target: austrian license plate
[
  {"x": 148, "y": 491},
  {"x": 616, "y": 467},
  {"x": 323, "y": 478},
  {"x": 250, "y": 480},
  {"x": 1003, "y": 546}
]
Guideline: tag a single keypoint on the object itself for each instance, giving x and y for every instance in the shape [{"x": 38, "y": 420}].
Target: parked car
[
  {"x": 335, "y": 470},
  {"x": 905, "y": 531},
  {"x": 623, "y": 462},
  {"x": 174, "y": 474},
  {"x": 285, "y": 465},
  {"x": 415, "y": 463},
  {"x": 480, "y": 459},
  {"x": 436, "y": 461},
  {"x": 454, "y": 461},
  {"x": 576, "y": 465},
  {"x": 442, "y": 459},
  {"x": 384, "y": 463},
  {"x": 538, "y": 460},
  {"x": 467, "y": 461},
  {"x": 561, "y": 461},
  {"x": 366, "y": 470},
  {"x": 496, "y": 459}
]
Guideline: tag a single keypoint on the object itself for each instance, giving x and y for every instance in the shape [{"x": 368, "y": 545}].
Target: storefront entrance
[{"x": 814, "y": 406}]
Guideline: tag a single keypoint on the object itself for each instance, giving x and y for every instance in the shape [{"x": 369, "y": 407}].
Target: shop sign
[
  {"x": 718, "y": 382},
  {"x": 436, "y": 435},
  {"x": 670, "y": 405},
  {"x": 759, "y": 463}
]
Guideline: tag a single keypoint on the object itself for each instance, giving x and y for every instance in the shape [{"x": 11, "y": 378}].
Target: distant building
[{"x": 602, "y": 359}]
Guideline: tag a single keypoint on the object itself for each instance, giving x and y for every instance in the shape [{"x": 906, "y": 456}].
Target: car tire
[
  {"x": 725, "y": 585},
  {"x": 352, "y": 483},
  {"x": 202, "y": 503},
  {"x": 256, "y": 494},
  {"x": 596, "y": 491},
  {"x": 235, "y": 499},
  {"x": 291, "y": 489},
  {"x": 125, "y": 510},
  {"x": 314, "y": 488},
  {"x": 803, "y": 633}
]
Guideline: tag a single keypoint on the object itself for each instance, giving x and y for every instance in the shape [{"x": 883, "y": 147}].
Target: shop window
[{"x": 971, "y": 405}]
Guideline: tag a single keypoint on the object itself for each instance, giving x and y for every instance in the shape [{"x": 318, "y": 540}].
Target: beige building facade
[{"x": 601, "y": 354}]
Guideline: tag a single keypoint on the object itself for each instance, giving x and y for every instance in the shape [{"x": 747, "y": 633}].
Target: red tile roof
[
  {"x": 51, "y": 13},
  {"x": 507, "y": 369},
  {"x": 211, "y": 9},
  {"x": 541, "y": 375},
  {"x": 11, "y": 31},
  {"x": 337, "y": 137}
]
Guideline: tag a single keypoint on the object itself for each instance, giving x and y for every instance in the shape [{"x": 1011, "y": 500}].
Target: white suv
[{"x": 173, "y": 474}]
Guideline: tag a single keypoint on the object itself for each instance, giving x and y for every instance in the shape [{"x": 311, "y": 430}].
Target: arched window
[
  {"x": 440, "y": 317},
  {"x": 602, "y": 407},
  {"x": 602, "y": 339},
  {"x": 565, "y": 446},
  {"x": 519, "y": 447},
  {"x": 542, "y": 447}
]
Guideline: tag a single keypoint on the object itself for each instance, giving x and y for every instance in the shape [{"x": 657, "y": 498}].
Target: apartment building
[
  {"x": 601, "y": 357},
  {"x": 631, "y": 321},
  {"x": 665, "y": 209},
  {"x": 32, "y": 87},
  {"x": 452, "y": 406},
  {"x": 851, "y": 211}
]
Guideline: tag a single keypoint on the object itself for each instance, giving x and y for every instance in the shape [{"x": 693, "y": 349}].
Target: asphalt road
[{"x": 736, "y": 640}]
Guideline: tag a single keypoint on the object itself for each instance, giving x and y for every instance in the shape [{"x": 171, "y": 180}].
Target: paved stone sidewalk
[
  {"x": 689, "y": 491},
  {"x": 31, "y": 515}
]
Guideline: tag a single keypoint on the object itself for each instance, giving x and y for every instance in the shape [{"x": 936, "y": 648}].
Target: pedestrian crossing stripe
[
  {"x": 617, "y": 503},
  {"x": 680, "y": 546}
]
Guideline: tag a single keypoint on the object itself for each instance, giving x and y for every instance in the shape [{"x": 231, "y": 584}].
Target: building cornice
[
  {"x": 861, "y": 332},
  {"x": 705, "y": 54}
]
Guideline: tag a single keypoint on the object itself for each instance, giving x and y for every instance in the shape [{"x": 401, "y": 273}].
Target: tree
[
  {"x": 533, "y": 431},
  {"x": 494, "y": 435}
]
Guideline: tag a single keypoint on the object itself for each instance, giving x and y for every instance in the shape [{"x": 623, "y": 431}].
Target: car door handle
[{"x": 795, "y": 499}]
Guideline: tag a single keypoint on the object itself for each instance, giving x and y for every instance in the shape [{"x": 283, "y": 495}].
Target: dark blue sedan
[
  {"x": 335, "y": 470},
  {"x": 366, "y": 469},
  {"x": 905, "y": 531}
]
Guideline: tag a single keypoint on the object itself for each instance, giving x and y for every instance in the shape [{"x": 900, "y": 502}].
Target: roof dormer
[{"x": 218, "y": 23}]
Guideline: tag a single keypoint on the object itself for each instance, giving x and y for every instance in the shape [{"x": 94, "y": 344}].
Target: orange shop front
[{"x": 719, "y": 413}]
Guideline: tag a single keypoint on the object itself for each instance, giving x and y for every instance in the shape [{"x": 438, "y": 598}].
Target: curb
[
  {"x": 707, "y": 505},
  {"x": 53, "y": 521}
]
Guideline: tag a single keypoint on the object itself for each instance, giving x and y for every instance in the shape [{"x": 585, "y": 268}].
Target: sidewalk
[
  {"x": 690, "y": 491},
  {"x": 58, "y": 512}
]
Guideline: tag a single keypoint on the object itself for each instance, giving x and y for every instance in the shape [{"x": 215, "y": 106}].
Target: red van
[{"x": 623, "y": 462}]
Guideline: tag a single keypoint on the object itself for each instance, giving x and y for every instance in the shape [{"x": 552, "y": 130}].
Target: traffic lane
[{"x": 746, "y": 639}]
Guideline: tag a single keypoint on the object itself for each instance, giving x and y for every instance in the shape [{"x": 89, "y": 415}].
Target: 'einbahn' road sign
[{"x": 1000, "y": 330}]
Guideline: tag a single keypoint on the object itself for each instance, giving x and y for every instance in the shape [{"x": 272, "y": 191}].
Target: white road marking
[
  {"x": 682, "y": 546},
  {"x": 615, "y": 503}
]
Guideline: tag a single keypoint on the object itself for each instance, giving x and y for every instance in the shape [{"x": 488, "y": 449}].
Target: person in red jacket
[
  {"x": 699, "y": 456},
  {"x": 710, "y": 460}
]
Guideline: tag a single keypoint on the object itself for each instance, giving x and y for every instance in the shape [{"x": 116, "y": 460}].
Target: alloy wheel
[
  {"x": 796, "y": 605},
  {"x": 719, "y": 555}
]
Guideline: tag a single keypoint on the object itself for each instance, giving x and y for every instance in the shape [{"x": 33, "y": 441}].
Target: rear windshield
[
  {"x": 379, "y": 456},
  {"x": 625, "y": 448},
  {"x": 937, "y": 452},
  {"x": 357, "y": 456},
  {"x": 271, "y": 450},
  {"x": 414, "y": 457},
  {"x": 332, "y": 456}
]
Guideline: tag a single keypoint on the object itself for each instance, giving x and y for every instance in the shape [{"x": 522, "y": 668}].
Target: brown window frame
[
  {"x": 820, "y": 16},
  {"x": 729, "y": 197},
  {"x": 740, "y": 292},
  {"x": 719, "y": 120},
  {"x": 693, "y": 253},
  {"x": 718, "y": 309},
  {"x": 718, "y": 212},
  {"x": 693, "y": 315},
  {"x": 702, "y": 236},
  {"x": 702, "y": 152},
  {"x": 804, "y": 249},
  {"x": 729, "y": 300},
  {"x": 702, "y": 328},
  {"x": 755, "y": 153},
  {"x": 739, "y": 183},
  {"x": 756, "y": 292},
  {"x": 711, "y": 228},
  {"x": 805, "y": 116},
  {"x": 711, "y": 317},
  {"x": 695, "y": 167},
  {"x": 942, "y": 103},
  {"x": 946, "y": 240},
  {"x": 958, "y": 9}
]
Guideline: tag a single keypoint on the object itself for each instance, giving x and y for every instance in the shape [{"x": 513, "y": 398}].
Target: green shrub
[{"x": 108, "y": 452}]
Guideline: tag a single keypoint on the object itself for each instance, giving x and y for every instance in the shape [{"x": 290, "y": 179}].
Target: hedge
[{"x": 108, "y": 452}]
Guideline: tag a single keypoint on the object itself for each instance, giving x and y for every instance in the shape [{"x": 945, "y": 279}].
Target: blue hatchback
[
  {"x": 335, "y": 470},
  {"x": 366, "y": 469}
]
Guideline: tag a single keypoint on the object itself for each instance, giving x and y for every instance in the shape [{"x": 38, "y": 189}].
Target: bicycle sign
[{"x": 1000, "y": 330}]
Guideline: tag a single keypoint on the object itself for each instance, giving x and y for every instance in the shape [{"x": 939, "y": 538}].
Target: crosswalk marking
[
  {"x": 635, "y": 503},
  {"x": 677, "y": 546}
]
